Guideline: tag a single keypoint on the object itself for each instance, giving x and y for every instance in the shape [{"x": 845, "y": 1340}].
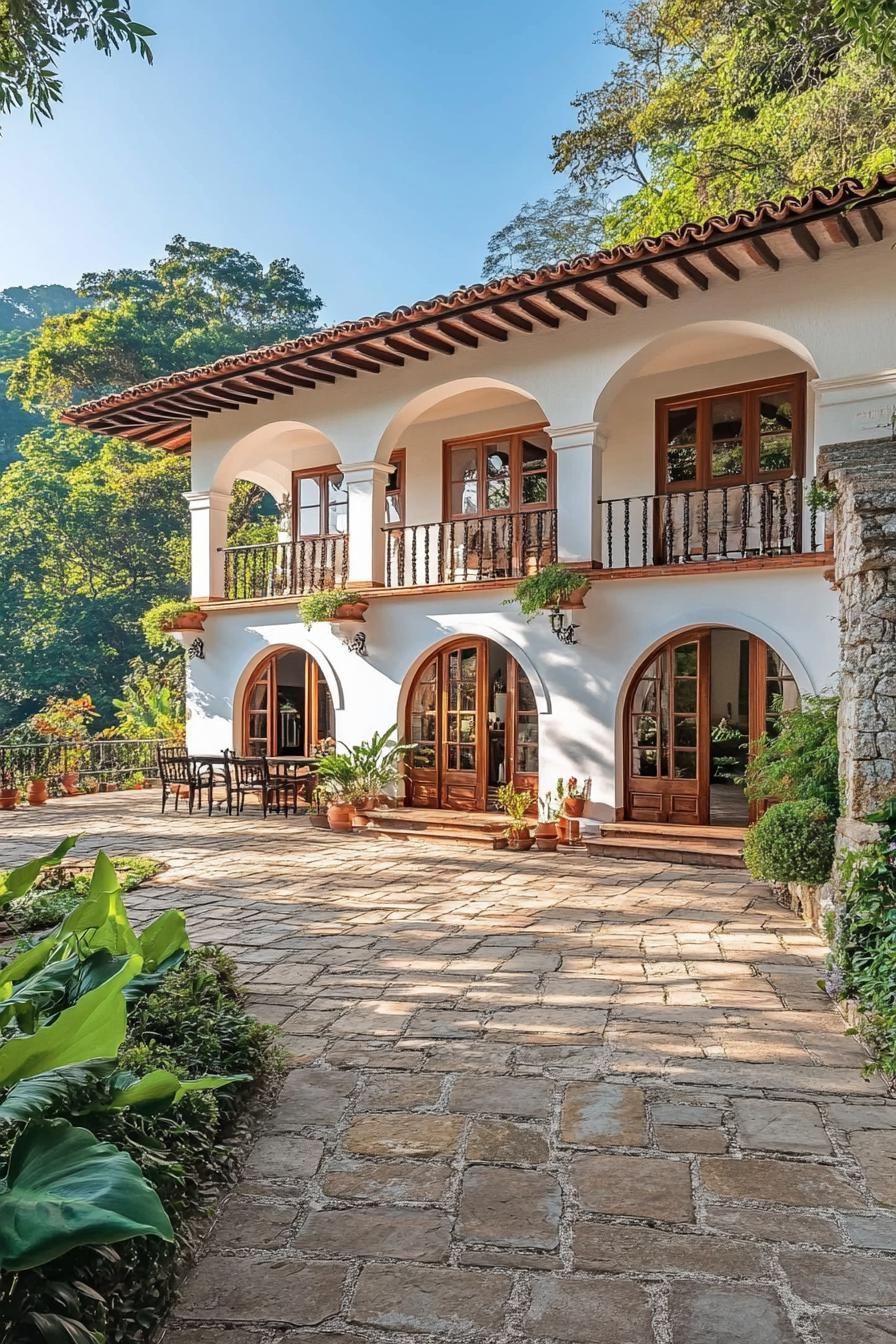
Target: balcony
[
  {"x": 470, "y": 550},
  {"x": 285, "y": 568},
  {"x": 734, "y": 522}
]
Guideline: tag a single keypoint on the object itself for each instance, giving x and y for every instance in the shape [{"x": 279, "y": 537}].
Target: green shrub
[
  {"x": 792, "y": 842},
  {"x": 862, "y": 965},
  {"x": 801, "y": 760}
]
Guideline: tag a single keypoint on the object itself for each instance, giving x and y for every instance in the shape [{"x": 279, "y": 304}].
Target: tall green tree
[
  {"x": 96, "y": 530},
  {"x": 714, "y": 105},
  {"x": 34, "y": 34},
  {"x": 22, "y": 309}
]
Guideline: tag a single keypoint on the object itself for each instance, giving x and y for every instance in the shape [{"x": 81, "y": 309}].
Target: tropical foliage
[
  {"x": 111, "y": 1044},
  {"x": 799, "y": 761},
  {"x": 714, "y": 105},
  {"x": 363, "y": 771}
]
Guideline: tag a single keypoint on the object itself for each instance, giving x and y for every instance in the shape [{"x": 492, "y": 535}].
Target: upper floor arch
[
  {"x": 266, "y": 455},
  {"x": 459, "y": 398}
]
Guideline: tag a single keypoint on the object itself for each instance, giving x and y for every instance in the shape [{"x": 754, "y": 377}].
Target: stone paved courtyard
[{"x": 534, "y": 1098}]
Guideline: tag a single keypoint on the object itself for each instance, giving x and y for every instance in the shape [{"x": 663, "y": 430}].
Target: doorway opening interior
[
  {"x": 474, "y": 721},
  {"x": 694, "y": 714},
  {"x": 288, "y": 707}
]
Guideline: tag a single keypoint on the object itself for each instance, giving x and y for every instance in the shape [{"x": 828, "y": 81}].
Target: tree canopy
[
  {"x": 34, "y": 33},
  {"x": 714, "y": 104},
  {"x": 197, "y": 303},
  {"x": 96, "y": 530}
]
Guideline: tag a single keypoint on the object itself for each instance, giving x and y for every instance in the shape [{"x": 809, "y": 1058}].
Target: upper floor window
[
  {"x": 498, "y": 473},
  {"x": 321, "y": 503},
  {"x": 731, "y": 435},
  {"x": 395, "y": 489}
]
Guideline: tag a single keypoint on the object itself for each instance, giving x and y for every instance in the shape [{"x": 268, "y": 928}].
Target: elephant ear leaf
[
  {"x": 162, "y": 938},
  {"x": 19, "y": 881},
  {"x": 160, "y": 1089},
  {"x": 93, "y": 1028},
  {"x": 65, "y": 1189},
  {"x": 64, "y": 1089},
  {"x": 101, "y": 921}
]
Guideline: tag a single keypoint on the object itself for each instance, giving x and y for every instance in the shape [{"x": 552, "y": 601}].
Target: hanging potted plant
[
  {"x": 554, "y": 587},
  {"x": 36, "y": 794},
  {"x": 515, "y": 804},
  {"x": 167, "y": 618},
  {"x": 9, "y": 794},
  {"x": 546, "y": 837},
  {"x": 331, "y": 604}
]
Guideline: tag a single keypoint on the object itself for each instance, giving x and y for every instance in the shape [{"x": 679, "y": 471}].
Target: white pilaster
[
  {"x": 860, "y": 406},
  {"x": 208, "y": 534},
  {"x": 366, "y": 485},
  {"x": 578, "y": 450}
]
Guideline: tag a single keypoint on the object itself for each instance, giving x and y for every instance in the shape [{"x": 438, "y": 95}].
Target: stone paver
[{"x": 533, "y": 1097}]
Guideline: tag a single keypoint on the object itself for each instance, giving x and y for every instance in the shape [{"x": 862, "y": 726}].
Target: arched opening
[
  {"x": 473, "y": 717},
  {"x": 287, "y": 708},
  {"x": 696, "y": 706}
]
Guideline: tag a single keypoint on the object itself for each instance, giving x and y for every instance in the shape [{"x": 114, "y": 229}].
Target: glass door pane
[
  {"x": 258, "y": 716},
  {"x": 464, "y": 498},
  {"x": 462, "y": 710},
  {"x": 726, "y": 437},
  {"x": 424, "y": 718},
  {"x": 526, "y": 755},
  {"x": 683, "y": 708}
]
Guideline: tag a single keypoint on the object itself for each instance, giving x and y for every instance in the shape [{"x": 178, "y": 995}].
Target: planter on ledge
[
  {"x": 187, "y": 620},
  {"x": 575, "y": 601}
]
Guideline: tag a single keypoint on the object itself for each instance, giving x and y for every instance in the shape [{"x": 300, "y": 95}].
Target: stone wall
[{"x": 864, "y": 475}]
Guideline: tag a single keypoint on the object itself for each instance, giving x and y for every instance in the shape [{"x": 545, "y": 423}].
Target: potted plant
[
  {"x": 331, "y": 604},
  {"x": 9, "y": 794},
  {"x": 69, "y": 781},
  {"x": 135, "y": 781},
  {"x": 546, "y": 838},
  {"x": 89, "y": 784},
  {"x": 165, "y": 618},
  {"x": 553, "y": 587},
  {"x": 318, "y": 813},
  {"x": 378, "y": 765},
  {"x": 515, "y": 804},
  {"x": 37, "y": 792},
  {"x": 339, "y": 782},
  {"x": 573, "y": 796}
]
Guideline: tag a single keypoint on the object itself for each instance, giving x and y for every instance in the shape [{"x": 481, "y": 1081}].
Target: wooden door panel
[{"x": 667, "y": 735}]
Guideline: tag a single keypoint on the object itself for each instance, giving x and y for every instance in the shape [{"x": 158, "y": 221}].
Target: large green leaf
[
  {"x": 65, "y": 1189},
  {"x": 58, "y": 1089},
  {"x": 27, "y": 962},
  {"x": 163, "y": 937},
  {"x": 19, "y": 881},
  {"x": 93, "y": 1028},
  {"x": 101, "y": 921},
  {"x": 37, "y": 992},
  {"x": 147, "y": 981},
  {"x": 160, "y": 1089}
]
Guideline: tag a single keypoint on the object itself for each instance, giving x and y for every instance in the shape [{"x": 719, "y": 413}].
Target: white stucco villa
[{"x": 650, "y": 415}]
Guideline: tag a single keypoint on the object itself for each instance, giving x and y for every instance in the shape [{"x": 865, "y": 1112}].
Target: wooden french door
[
  {"x": 468, "y": 736},
  {"x": 274, "y": 725},
  {"x": 669, "y": 727}
]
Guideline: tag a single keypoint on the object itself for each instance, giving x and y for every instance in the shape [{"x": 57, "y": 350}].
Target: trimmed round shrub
[{"x": 792, "y": 842}]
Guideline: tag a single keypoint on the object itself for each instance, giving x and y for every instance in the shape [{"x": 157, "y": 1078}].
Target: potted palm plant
[
  {"x": 378, "y": 764},
  {"x": 515, "y": 804},
  {"x": 339, "y": 782}
]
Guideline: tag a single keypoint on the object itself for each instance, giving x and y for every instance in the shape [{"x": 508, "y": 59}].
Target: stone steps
[{"x": 700, "y": 846}]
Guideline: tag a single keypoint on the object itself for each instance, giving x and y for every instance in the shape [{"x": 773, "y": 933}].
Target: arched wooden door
[
  {"x": 285, "y": 719},
  {"x": 471, "y": 730},
  {"x": 679, "y": 743}
]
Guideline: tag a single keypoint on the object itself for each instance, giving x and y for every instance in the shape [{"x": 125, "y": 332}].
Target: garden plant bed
[
  {"x": 59, "y": 890},
  {"x": 131, "y": 1080}
]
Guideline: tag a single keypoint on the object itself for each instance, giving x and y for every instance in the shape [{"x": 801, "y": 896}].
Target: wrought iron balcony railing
[
  {"x": 733, "y": 522},
  {"x": 468, "y": 550},
  {"x": 285, "y": 568}
]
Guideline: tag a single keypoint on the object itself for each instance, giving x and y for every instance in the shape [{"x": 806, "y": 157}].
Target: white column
[
  {"x": 578, "y": 451},
  {"x": 366, "y": 485},
  {"x": 860, "y": 406},
  {"x": 208, "y": 534}
]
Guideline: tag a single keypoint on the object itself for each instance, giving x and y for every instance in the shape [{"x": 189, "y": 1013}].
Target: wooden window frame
[
  {"x": 267, "y": 671},
  {"x": 322, "y": 475},
  {"x": 515, "y": 437},
  {"x": 399, "y": 460},
  {"x": 795, "y": 383}
]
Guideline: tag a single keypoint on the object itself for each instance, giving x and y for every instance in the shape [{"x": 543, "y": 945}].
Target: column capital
[
  {"x": 199, "y": 500},
  {"x": 575, "y": 436},
  {"x": 362, "y": 473}
]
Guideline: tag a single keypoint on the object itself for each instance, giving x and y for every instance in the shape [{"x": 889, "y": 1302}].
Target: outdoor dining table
[{"x": 293, "y": 768}]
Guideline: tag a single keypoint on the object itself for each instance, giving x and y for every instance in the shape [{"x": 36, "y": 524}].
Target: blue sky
[{"x": 378, "y": 143}]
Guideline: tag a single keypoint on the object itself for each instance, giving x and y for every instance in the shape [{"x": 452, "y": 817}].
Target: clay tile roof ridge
[{"x": 717, "y": 228}]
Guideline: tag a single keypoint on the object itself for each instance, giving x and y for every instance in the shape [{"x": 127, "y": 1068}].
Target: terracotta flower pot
[
  {"x": 546, "y": 837},
  {"x": 36, "y": 792},
  {"x": 339, "y": 816},
  {"x": 519, "y": 840},
  {"x": 350, "y": 611},
  {"x": 364, "y": 805},
  {"x": 187, "y": 620},
  {"x": 574, "y": 807},
  {"x": 9, "y": 799},
  {"x": 319, "y": 820},
  {"x": 69, "y": 781},
  {"x": 562, "y": 830},
  {"x": 576, "y": 598}
]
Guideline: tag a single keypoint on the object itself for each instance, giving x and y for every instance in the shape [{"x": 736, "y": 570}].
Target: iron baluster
[
  {"x": 414, "y": 576},
  {"x": 704, "y": 524},
  {"x": 796, "y": 507},
  {"x": 667, "y": 531},
  {"x": 744, "y": 516},
  {"x": 644, "y": 527},
  {"x": 686, "y": 526},
  {"x": 440, "y": 542},
  {"x": 763, "y": 518},
  {"x": 626, "y": 529},
  {"x": 723, "y": 527},
  {"x": 609, "y": 534}
]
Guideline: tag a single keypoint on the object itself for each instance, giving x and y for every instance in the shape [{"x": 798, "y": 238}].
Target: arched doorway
[
  {"x": 287, "y": 707},
  {"x": 695, "y": 707},
  {"x": 472, "y": 716}
]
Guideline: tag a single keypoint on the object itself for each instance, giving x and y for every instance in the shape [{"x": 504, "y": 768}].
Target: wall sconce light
[
  {"x": 563, "y": 629},
  {"x": 357, "y": 644},
  {"x": 197, "y": 650}
]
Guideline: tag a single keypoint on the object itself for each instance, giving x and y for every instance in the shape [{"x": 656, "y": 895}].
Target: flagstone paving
[{"x": 533, "y": 1098}]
